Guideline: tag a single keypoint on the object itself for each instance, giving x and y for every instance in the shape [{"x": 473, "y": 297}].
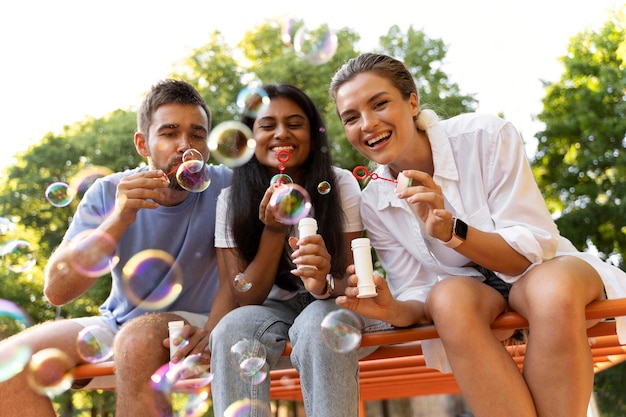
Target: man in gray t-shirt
[{"x": 121, "y": 217}]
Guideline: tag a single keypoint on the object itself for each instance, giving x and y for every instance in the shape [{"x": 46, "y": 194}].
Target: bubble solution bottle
[
  {"x": 175, "y": 330},
  {"x": 361, "y": 250},
  {"x": 403, "y": 182},
  {"x": 307, "y": 226}
]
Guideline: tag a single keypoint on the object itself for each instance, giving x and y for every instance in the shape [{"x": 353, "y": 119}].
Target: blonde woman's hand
[
  {"x": 426, "y": 197},
  {"x": 380, "y": 307}
]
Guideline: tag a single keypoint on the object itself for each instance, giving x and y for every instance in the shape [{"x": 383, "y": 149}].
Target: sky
[{"x": 66, "y": 60}]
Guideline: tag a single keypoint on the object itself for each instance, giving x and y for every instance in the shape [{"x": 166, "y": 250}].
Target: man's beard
[
  {"x": 171, "y": 176},
  {"x": 174, "y": 185}
]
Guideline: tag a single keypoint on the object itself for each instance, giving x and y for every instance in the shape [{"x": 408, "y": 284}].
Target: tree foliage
[
  {"x": 609, "y": 389},
  {"x": 105, "y": 142},
  {"x": 424, "y": 57},
  {"x": 580, "y": 162}
]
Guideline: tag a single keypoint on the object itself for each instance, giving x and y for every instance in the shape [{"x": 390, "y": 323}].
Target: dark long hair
[{"x": 252, "y": 179}]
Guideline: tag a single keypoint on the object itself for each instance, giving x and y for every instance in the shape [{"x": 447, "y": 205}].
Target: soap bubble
[
  {"x": 251, "y": 100},
  {"x": 280, "y": 179},
  {"x": 59, "y": 194},
  {"x": 323, "y": 187},
  {"x": 290, "y": 202},
  {"x": 85, "y": 178},
  {"x": 195, "y": 372},
  {"x": 197, "y": 404},
  {"x": 246, "y": 408},
  {"x": 192, "y": 154},
  {"x": 191, "y": 375},
  {"x": 6, "y": 226},
  {"x": 94, "y": 343},
  {"x": 13, "y": 319},
  {"x": 164, "y": 378},
  {"x": 93, "y": 253},
  {"x": 341, "y": 330},
  {"x": 315, "y": 46},
  {"x": 50, "y": 372},
  {"x": 193, "y": 175},
  {"x": 232, "y": 143},
  {"x": 241, "y": 283},
  {"x": 13, "y": 361},
  {"x": 287, "y": 30},
  {"x": 152, "y": 279},
  {"x": 257, "y": 377},
  {"x": 18, "y": 255},
  {"x": 248, "y": 356}
]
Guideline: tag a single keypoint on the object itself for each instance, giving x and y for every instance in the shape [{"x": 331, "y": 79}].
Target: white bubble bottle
[
  {"x": 361, "y": 250},
  {"x": 307, "y": 226},
  {"x": 403, "y": 182},
  {"x": 175, "y": 329}
]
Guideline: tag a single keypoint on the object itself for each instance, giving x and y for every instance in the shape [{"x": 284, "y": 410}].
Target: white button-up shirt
[{"x": 481, "y": 166}]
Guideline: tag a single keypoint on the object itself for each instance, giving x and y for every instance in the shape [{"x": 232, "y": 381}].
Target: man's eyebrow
[
  {"x": 199, "y": 127},
  {"x": 167, "y": 126},
  {"x": 176, "y": 126}
]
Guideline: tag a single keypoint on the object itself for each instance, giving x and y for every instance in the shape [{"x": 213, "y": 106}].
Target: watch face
[{"x": 460, "y": 228}]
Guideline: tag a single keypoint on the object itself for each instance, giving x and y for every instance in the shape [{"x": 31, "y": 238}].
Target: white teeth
[
  {"x": 283, "y": 148},
  {"x": 377, "y": 138}
]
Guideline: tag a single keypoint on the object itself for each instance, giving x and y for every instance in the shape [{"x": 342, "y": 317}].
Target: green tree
[
  {"x": 609, "y": 389},
  {"x": 580, "y": 162},
  {"x": 104, "y": 142},
  {"x": 219, "y": 82},
  {"x": 265, "y": 56},
  {"x": 424, "y": 57},
  {"x": 284, "y": 64}
]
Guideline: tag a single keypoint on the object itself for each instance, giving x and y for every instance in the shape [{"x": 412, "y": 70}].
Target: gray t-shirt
[{"x": 186, "y": 232}]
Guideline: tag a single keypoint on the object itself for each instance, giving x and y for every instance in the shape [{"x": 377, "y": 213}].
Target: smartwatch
[{"x": 459, "y": 233}]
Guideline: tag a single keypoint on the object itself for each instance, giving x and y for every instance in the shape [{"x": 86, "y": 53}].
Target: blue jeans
[{"x": 329, "y": 380}]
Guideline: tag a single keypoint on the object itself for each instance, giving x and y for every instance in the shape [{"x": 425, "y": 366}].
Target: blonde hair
[{"x": 390, "y": 68}]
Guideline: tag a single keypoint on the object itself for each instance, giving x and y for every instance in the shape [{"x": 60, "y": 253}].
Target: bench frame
[{"x": 397, "y": 368}]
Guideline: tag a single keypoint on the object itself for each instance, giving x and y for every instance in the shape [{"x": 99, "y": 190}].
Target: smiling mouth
[
  {"x": 382, "y": 137},
  {"x": 283, "y": 148}
]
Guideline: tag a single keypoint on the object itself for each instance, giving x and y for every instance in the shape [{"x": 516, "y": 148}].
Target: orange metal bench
[{"x": 397, "y": 368}]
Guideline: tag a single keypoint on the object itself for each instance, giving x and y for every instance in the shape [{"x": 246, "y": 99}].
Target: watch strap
[{"x": 458, "y": 237}]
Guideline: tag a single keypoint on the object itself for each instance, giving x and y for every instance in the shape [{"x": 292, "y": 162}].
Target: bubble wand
[
  {"x": 361, "y": 173},
  {"x": 192, "y": 173},
  {"x": 281, "y": 178}
]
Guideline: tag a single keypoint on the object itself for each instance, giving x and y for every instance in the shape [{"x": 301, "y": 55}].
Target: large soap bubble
[
  {"x": 152, "y": 279},
  {"x": 290, "y": 202},
  {"x": 341, "y": 330},
  {"x": 18, "y": 255},
  {"x": 231, "y": 143}
]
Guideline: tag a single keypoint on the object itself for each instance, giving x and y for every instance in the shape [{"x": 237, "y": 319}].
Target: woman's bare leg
[
  {"x": 463, "y": 309},
  {"x": 558, "y": 366}
]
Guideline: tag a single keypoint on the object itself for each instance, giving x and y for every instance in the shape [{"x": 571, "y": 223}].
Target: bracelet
[{"x": 330, "y": 288}]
